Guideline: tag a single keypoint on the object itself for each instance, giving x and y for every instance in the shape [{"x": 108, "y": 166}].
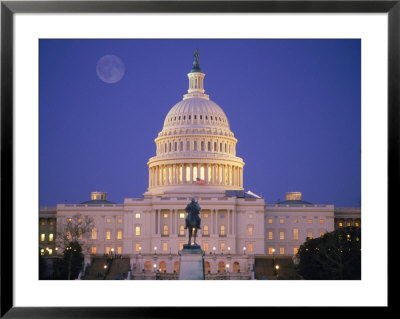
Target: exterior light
[
  {"x": 277, "y": 267},
  {"x": 105, "y": 266},
  {"x": 273, "y": 250}
]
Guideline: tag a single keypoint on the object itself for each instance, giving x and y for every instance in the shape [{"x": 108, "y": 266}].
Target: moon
[{"x": 110, "y": 69}]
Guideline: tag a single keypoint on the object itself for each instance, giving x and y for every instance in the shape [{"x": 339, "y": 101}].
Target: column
[
  {"x": 157, "y": 175},
  {"x": 159, "y": 222},
  {"x": 206, "y": 173},
  {"x": 155, "y": 221},
  {"x": 173, "y": 221},
  {"x": 213, "y": 221},
  {"x": 228, "y": 231},
  {"x": 233, "y": 175},
  {"x": 175, "y": 179},
  {"x": 223, "y": 174},
  {"x": 183, "y": 173},
  {"x": 213, "y": 174},
  {"x": 150, "y": 176},
  {"x": 198, "y": 170},
  {"x": 191, "y": 173},
  {"x": 167, "y": 174}
]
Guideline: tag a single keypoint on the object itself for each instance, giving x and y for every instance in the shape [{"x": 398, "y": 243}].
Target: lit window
[
  {"x": 68, "y": 234},
  {"x": 79, "y": 234},
  {"x": 271, "y": 250},
  {"x": 282, "y": 250},
  {"x": 295, "y": 250},
  {"x": 250, "y": 216},
  {"x": 205, "y": 215},
  {"x": 51, "y": 222},
  {"x": 49, "y": 251},
  {"x": 281, "y": 235},
  {"x": 205, "y": 246},
  {"x": 137, "y": 230},
  {"x": 250, "y": 247},
  {"x": 108, "y": 220},
  {"x": 321, "y": 233},
  {"x": 181, "y": 215},
  {"x": 165, "y": 230},
  {"x": 222, "y": 246},
  {"x": 270, "y": 221},
  {"x": 309, "y": 234},
  {"x": 94, "y": 233},
  {"x": 222, "y": 230},
  {"x": 43, "y": 222},
  {"x": 108, "y": 249},
  {"x": 51, "y": 237},
  {"x": 322, "y": 221},
  {"x": 108, "y": 234},
  {"x": 348, "y": 224},
  {"x": 119, "y": 220},
  {"x": 94, "y": 250},
  {"x": 79, "y": 220},
  {"x": 119, "y": 234},
  {"x": 42, "y": 237},
  {"x": 205, "y": 230},
  {"x": 295, "y": 234},
  {"x": 137, "y": 247},
  {"x": 281, "y": 221},
  {"x": 270, "y": 235},
  {"x": 295, "y": 221},
  {"x": 69, "y": 220},
  {"x": 42, "y": 252},
  {"x": 137, "y": 215},
  {"x": 164, "y": 246},
  {"x": 309, "y": 221},
  {"x": 180, "y": 246},
  {"x": 165, "y": 215},
  {"x": 250, "y": 230},
  {"x": 182, "y": 230},
  {"x": 357, "y": 224},
  {"x": 340, "y": 224},
  {"x": 119, "y": 250}
]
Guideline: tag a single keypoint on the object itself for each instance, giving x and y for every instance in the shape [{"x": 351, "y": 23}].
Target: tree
[
  {"x": 72, "y": 241},
  {"x": 335, "y": 255}
]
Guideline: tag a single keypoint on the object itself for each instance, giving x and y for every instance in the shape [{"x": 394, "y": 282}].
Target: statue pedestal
[{"x": 191, "y": 263}]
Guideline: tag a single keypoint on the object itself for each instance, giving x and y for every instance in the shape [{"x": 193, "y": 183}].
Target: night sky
[{"x": 293, "y": 105}]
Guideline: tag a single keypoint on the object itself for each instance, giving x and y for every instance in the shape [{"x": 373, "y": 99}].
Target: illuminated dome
[{"x": 195, "y": 150}]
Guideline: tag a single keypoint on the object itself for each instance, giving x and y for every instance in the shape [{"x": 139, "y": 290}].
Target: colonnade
[{"x": 212, "y": 174}]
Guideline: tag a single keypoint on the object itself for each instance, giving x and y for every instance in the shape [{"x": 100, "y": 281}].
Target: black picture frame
[{"x": 9, "y": 8}]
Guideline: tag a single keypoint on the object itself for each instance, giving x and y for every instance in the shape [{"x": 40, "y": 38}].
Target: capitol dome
[{"x": 195, "y": 150}]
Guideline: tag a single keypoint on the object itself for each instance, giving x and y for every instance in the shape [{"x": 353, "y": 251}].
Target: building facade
[{"x": 196, "y": 158}]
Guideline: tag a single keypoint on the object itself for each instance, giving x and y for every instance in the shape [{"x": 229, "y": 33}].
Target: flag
[{"x": 200, "y": 181}]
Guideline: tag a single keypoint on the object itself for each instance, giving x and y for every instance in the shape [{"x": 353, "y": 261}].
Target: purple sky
[{"x": 293, "y": 105}]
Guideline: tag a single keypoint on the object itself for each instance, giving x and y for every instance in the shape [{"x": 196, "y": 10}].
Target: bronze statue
[{"x": 193, "y": 219}]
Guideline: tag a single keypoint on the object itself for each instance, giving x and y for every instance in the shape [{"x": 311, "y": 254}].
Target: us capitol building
[{"x": 195, "y": 158}]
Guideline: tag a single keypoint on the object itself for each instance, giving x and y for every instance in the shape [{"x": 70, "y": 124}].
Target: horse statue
[{"x": 193, "y": 220}]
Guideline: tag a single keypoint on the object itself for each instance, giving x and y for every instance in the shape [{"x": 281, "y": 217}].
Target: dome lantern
[{"x": 196, "y": 80}]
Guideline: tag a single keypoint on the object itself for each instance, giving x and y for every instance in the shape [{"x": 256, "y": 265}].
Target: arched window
[
  {"x": 163, "y": 266},
  {"x": 236, "y": 267},
  {"x": 176, "y": 266},
  {"x": 207, "y": 267},
  {"x": 221, "y": 267},
  {"x": 147, "y": 266}
]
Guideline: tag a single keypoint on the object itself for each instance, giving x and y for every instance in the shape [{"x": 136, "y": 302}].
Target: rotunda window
[
  {"x": 184, "y": 117},
  {"x": 189, "y": 117},
  {"x": 201, "y": 117},
  {"x": 206, "y": 117}
]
